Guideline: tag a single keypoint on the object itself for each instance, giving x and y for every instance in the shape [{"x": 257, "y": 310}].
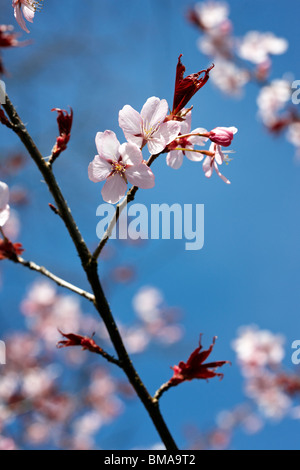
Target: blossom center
[{"x": 118, "y": 167}]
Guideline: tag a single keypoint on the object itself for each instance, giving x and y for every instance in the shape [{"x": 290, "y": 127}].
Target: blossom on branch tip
[
  {"x": 118, "y": 164},
  {"x": 25, "y": 9},
  {"x": 185, "y": 88},
  {"x": 148, "y": 127},
  {"x": 208, "y": 15},
  {"x": 195, "y": 368},
  {"x": 212, "y": 161},
  {"x": 64, "y": 121},
  {"x": 78, "y": 340}
]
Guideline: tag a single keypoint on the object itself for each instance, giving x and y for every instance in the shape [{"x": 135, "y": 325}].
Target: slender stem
[
  {"x": 162, "y": 389},
  {"x": 59, "y": 281},
  {"x": 119, "y": 208},
  {"x": 90, "y": 266}
]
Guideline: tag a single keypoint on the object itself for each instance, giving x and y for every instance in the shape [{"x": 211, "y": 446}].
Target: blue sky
[{"x": 97, "y": 56}]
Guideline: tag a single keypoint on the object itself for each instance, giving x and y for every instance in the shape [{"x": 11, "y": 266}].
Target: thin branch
[
  {"x": 59, "y": 281},
  {"x": 119, "y": 208}
]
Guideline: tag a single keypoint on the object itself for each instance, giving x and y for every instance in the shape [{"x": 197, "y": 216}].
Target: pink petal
[
  {"x": 4, "y": 195},
  {"x": 99, "y": 169},
  {"x": 28, "y": 13},
  {"x": 131, "y": 123},
  {"x": 165, "y": 134},
  {"x": 219, "y": 156},
  {"x": 114, "y": 189},
  {"x": 19, "y": 17},
  {"x": 108, "y": 145},
  {"x": 207, "y": 167},
  {"x": 234, "y": 130},
  {"x": 141, "y": 176},
  {"x": 185, "y": 126},
  {"x": 4, "y": 215},
  {"x": 154, "y": 112},
  {"x": 194, "y": 156},
  {"x": 131, "y": 154},
  {"x": 175, "y": 159}
]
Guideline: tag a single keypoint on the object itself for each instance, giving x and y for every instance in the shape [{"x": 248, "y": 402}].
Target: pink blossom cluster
[
  {"x": 260, "y": 354},
  {"x": 240, "y": 60}
]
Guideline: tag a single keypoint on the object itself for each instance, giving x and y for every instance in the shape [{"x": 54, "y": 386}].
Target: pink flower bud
[{"x": 222, "y": 135}]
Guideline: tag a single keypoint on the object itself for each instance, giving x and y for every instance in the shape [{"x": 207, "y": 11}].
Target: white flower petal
[
  {"x": 207, "y": 167},
  {"x": 131, "y": 154},
  {"x": 4, "y": 195},
  {"x": 165, "y": 134},
  {"x": 141, "y": 176},
  {"x": 4, "y": 215},
  {"x": 175, "y": 159},
  {"x": 154, "y": 112},
  {"x": 131, "y": 123},
  {"x": 28, "y": 13},
  {"x": 108, "y": 145},
  {"x": 99, "y": 169}
]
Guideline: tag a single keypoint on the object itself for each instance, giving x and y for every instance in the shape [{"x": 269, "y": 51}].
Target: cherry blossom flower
[
  {"x": 195, "y": 368},
  {"x": 229, "y": 78},
  {"x": 175, "y": 157},
  {"x": 25, "y": 9},
  {"x": 256, "y": 47},
  {"x": 148, "y": 127},
  {"x": 212, "y": 161},
  {"x": 64, "y": 121},
  {"x": 186, "y": 87},
  {"x": 222, "y": 135},
  {"x": 118, "y": 164},
  {"x": 4, "y": 207}
]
